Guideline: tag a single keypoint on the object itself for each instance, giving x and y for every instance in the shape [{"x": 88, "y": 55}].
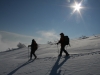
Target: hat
[{"x": 61, "y": 33}]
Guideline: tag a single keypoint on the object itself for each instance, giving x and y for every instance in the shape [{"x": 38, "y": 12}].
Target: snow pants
[
  {"x": 63, "y": 49},
  {"x": 32, "y": 53}
]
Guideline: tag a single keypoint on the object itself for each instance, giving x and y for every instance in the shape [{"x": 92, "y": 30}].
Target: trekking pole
[
  {"x": 28, "y": 52},
  {"x": 58, "y": 49},
  {"x": 66, "y": 47}
]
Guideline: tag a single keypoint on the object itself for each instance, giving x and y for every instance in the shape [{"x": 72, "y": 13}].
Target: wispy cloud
[
  {"x": 68, "y": 0},
  {"x": 9, "y": 36},
  {"x": 10, "y": 40},
  {"x": 48, "y": 36},
  {"x": 5, "y": 44}
]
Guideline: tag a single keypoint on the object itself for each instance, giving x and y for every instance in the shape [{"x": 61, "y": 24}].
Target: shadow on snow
[
  {"x": 26, "y": 63},
  {"x": 54, "y": 68},
  {"x": 57, "y": 66}
]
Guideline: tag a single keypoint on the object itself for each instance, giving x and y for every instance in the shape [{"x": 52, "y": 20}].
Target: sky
[{"x": 44, "y": 20}]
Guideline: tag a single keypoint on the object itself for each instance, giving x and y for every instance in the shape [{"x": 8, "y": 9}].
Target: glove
[
  {"x": 57, "y": 43},
  {"x": 28, "y": 45}
]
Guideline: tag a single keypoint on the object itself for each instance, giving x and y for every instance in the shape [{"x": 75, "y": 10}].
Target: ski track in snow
[{"x": 71, "y": 55}]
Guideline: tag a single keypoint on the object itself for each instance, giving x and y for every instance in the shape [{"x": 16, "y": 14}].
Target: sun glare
[{"x": 77, "y": 7}]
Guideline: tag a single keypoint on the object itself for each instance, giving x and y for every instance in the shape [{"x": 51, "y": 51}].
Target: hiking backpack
[{"x": 67, "y": 40}]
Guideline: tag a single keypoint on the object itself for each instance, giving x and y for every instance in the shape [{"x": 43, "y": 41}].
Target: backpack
[{"x": 67, "y": 40}]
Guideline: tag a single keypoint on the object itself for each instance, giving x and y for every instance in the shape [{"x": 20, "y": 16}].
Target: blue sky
[{"x": 44, "y": 20}]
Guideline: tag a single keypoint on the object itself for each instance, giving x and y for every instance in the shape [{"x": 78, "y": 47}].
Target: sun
[{"x": 77, "y": 7}]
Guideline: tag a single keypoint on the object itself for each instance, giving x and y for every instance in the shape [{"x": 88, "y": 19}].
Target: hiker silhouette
[
  {"x": 34, "y": 47},
  {"x": 62, "y": 41}
]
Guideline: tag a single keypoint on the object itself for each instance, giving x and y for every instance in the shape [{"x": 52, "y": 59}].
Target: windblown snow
[{"x": 84, "y": 59}]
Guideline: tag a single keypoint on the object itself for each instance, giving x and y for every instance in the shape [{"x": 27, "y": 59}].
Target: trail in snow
[{"x": 84, "y": 60}]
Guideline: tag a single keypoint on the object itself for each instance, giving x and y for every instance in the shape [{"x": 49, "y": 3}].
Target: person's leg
[
  {"x": 65, "y": 51},
  {"x": 61, "y": 50},
  {"x": 34, "y": 55},
  {"x": 31, "y": 54}
]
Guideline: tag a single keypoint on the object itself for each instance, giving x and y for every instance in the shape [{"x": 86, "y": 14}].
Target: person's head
[
  {"x": 62, "y": 34},
  {"x": 33, "y": 40}
]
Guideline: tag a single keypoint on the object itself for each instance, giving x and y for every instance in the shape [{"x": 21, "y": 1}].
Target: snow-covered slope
[{"x": 84, "y": 60}]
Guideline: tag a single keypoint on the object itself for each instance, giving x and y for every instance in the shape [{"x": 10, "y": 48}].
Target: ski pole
[
  {"x": 28, "y": 52},
  {"x": 58, "y": 49},
  {"x": 66, "y": 47}
]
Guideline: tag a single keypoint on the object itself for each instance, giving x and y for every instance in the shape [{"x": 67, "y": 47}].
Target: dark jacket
[
  {"x": 62, "y": 41},
  {"x": 33, "y": 45}
]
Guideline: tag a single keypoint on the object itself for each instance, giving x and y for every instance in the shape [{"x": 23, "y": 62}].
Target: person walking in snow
[
  {"x": 34, "y": 47},
  {"x": 62, "y": 41}
]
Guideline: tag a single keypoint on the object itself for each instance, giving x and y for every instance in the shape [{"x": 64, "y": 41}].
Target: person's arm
[
  {"x": 59, "y": 41},
  {"x": 29, "y": 45}
]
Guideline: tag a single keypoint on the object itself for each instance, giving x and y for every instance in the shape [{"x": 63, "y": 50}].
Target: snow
[{"x": 84, "y": 59}]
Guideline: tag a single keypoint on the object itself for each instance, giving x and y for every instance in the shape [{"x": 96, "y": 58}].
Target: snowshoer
[
  {"x": 63, "y": 44},
  {"x": 34, "y": 47}
]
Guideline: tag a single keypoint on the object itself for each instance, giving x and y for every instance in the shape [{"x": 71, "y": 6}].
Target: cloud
[
  {"x": 48, "y": 36},
  {"x": 9, "y": 36},
  {"x": 10, "y": 40},
  {"x": 5, "y": 45},
  {"x": 68, "y": 1}
]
